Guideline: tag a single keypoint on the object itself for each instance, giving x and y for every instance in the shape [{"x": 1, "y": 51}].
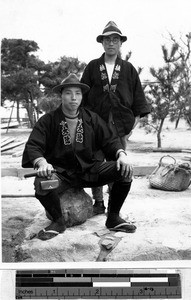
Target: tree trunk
[
  {"x": 18, "y": 116},
  {"x": 177, "y": 120},
  {"x": 30, "y": 114},
  {"x": 159, "y": 142},
  {"x": 158, "y": 139},
  {"x": 29, "y": 108}
]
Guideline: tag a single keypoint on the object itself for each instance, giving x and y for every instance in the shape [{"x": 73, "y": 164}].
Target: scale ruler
[{"x": 97, "y": 284}]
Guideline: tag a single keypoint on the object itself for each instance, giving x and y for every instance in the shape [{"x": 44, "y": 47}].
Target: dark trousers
[{"x": 107, "y": 173}]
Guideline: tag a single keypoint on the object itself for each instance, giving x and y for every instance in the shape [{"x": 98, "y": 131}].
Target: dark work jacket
[
  {"x": 127, "y": 102},
  {"x": 46, "y": 141}
]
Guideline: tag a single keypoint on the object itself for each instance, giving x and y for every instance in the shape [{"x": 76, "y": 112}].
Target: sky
[{"x": 70, "y": 27}]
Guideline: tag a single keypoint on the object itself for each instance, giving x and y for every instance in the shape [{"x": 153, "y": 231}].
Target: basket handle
[{"x": 160, "y": 161}]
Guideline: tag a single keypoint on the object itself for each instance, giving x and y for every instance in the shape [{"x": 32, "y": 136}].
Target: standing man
[
  {"x": 68, "y": 140},
  {"x": 115, "y": 93}
]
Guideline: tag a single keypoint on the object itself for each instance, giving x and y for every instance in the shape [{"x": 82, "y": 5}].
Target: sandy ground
[{"x": 163, "y": 219}]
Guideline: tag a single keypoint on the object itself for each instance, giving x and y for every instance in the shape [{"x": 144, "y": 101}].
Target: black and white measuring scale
[{"x": 98, "y": 284}]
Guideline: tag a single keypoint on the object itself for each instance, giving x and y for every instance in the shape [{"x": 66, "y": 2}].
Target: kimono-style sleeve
[
  {"x": 37, "y": 143},
  {"x": 140, "y": 107}
]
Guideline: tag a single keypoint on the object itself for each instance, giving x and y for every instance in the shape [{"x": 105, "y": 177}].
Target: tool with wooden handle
[{"x": 33, "y": 174}]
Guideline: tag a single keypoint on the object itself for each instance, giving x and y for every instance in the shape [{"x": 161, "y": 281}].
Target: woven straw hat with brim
[
  {"x": 71, "y": 81},
  {"x": 111, "y": 28}
]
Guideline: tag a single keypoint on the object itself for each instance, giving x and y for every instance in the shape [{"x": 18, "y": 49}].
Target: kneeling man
[{"x": 68, "y": 141}]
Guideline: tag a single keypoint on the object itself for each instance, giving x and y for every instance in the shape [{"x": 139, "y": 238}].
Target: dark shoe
[
  {"x": 116, "y": 223},
  {"x": 98, "y": 208}
]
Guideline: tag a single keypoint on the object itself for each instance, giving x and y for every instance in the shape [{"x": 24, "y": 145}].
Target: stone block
[{"x": 76, "y": 205}]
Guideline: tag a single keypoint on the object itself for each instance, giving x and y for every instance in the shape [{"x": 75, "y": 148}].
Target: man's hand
[
  {"x": 123, "y": 164},
  {"x": 44, "y": 169}
]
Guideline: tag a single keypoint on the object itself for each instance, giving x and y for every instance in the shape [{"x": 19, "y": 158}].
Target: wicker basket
[{"x": 171, "y": 177}]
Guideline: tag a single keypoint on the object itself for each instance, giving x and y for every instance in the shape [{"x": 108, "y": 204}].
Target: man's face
[
  {"x": 112, "y": 44},
  {"x": 71, "y": 99}
]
